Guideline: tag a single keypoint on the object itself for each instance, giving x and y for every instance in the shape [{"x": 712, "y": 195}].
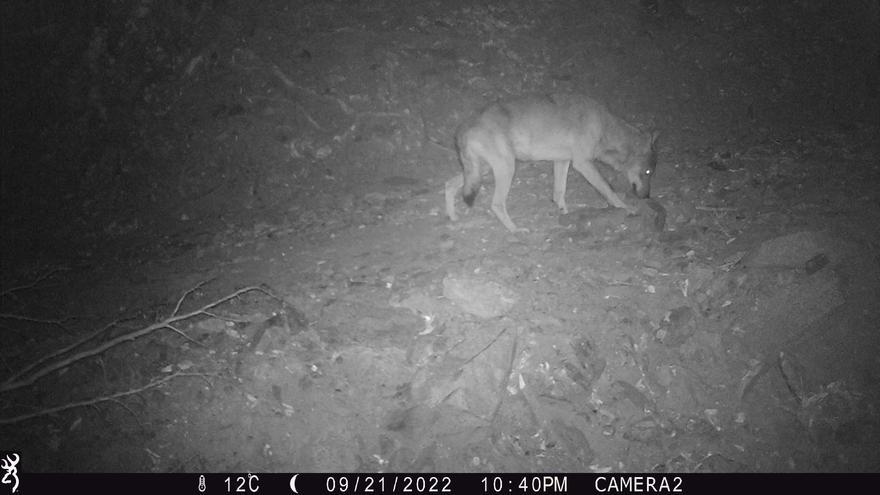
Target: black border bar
[{"x": 427, "y": 483}]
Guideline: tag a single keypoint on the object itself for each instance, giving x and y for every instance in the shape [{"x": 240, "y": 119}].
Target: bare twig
[
  {"x": 94, "y": 401},
  {"x": 187, "y": 293},
  {"x": 716, "y": 208},
  {"x": 46, "y": 321},
  {"x": 226, "y": 318},
  {"x": 309, "y": 117},
  {"x": 184, "y": 335},
  {"x": 33, "y": 284},
  {"x": 490, "y": 344},
  {"x": 130, "y": 411},
  {"x": 295, "y": 104},
  {"x": 19, "y": 379},
  {"x": 292, "y": 85},
  {"x": 503, "y": 384}
]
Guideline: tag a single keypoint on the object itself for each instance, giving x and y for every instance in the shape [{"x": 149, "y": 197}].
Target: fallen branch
[
  {"x": 63, "y": 350},
  {"x": 97, "y": 400},
  {"x": 33, "y": 372}
]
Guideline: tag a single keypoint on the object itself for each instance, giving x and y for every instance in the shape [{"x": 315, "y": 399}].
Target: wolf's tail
[
  {"x": 472, "y": 172},
  {"x": 472, "y": 179}
]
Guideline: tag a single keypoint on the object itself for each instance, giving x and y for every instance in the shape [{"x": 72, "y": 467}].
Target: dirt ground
[{"x": 295, "y": 151}]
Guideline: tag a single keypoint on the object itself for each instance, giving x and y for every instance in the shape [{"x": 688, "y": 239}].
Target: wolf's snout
[{"x": 642, "y": 190}]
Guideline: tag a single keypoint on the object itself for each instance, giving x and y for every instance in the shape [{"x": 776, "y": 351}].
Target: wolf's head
[{"x": 641, "y": 165}]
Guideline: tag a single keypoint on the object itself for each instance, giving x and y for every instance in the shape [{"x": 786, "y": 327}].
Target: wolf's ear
[{"x": 654, "y": 136}]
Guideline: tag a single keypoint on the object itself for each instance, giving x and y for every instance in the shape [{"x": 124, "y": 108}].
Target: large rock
[
  {"x": 781, "y": 318},
  {"x": 795, "y": 250}
]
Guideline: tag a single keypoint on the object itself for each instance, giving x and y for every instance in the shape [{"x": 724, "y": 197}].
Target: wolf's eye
[{"x": 648, "y": 172}]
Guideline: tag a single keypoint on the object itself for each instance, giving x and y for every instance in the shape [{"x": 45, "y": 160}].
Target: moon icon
[{"x": 293, "y": 483}]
